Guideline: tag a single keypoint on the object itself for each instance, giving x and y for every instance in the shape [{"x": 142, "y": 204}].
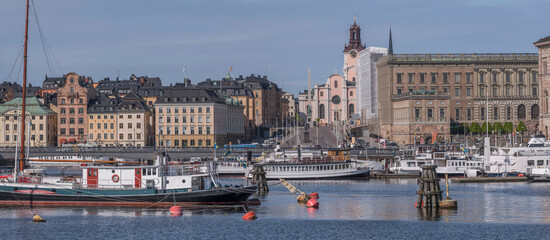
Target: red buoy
[
  {"x": 520, "y": 175},
  {"x": 314, "y": 195},
  {"x": 249, "y": 216},
  {"x": 176, "y": 211},
  {"x": 312, "y": 203}
]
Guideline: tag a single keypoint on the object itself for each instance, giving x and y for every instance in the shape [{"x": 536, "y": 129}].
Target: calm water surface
[{"x": 375, "y": 209}]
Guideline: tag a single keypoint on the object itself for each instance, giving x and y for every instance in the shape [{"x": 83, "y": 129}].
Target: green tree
[
  {"x": 508, "y": 127},
  {"x": 475, "y": 128},
  {"x": 484, "y": 128},
  {"x": 498, "y": 128},
  {"x": 521, "y": 127}
]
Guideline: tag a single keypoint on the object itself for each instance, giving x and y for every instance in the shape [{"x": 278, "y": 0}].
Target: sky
[{"x": 277, "y": 38}]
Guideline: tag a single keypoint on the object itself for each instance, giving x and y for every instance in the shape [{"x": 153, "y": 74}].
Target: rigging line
[
  {"x": 42, "y": 39},
  {"x": 47, "y": 46},
  {"x": 16, "y": 60},
  {"x": 11, "y": 27}
]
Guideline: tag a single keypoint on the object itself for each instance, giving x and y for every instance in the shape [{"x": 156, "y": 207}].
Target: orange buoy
[
  {"x": 249, "y": 216},
  {"x": 312, "y": 203},
  {"x": 176, "y": 211},
  {"x": 520, "y": 175},
  {"x": 314, "y": 195}
]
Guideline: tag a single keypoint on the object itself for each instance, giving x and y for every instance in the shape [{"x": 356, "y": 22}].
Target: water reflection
[{"x": 384, "y": 199}]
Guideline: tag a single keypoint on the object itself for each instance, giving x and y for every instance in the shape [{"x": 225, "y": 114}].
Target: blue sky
[{"x": 281, "y": 39}]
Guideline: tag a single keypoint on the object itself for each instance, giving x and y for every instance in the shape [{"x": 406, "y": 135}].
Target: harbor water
[{"x": 349, "y": 209}]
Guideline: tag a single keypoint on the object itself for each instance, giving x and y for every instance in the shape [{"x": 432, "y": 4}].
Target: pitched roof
[
  {"x": 544, "y": 39},
  {"x": 190, "y": 95},
  {"x": 33, "y": 106}
]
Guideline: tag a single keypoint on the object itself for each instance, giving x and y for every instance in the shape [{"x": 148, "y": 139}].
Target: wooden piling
[
  {"x": 259, "y": 179},
  {"x": 429, "y": 192}
]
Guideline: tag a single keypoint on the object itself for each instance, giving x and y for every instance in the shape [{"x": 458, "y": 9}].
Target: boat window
[
  {"x": 540, "y": 162},
  {"x": 530, "y": 162}
]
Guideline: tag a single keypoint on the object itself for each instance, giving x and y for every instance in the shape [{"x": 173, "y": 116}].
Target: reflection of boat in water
[
  {"x": 314, "y": 164},
  {"x": 139, "y": 185}
]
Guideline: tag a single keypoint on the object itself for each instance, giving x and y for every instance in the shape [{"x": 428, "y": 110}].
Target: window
[
  {"x": 495, "y": 77},
  {"x": 520, "y": 76},
  {"x": 105, "y": 117},
  {"x": 200, "y": 119},
  {"x": 535, "y": 111},
  {"x": 7, "y": 138},
  {"x": 63, "y": 131},
  {"x": 121, "y": 116},
  {"x": 399, "y": 78},
  {"x": 130, "y": 116},
  {"x": 335, "y": 84},
  {"x": 161, "y": 119},
  {"x": 468, "y": 92},
  {"x": 184, "y": 119},
  {"x": 481, "y": 91},
  {"x": 80, "y": 110},
  {"x": 199, "y": 109},
  {"x": 192, "y": 120},
  {"x": 192, "y": 143},
  {"x": 98, "y": 135},
  {"x": 469, "y": 114},
  {"x": 71, "y": 121},
  {"x": 71, "y": 110},
  {"x": 81, "y": 101},
  {"x": 63, "y": 101},
  {"x": 495, "y": 113},
  {"x": 63, "y": 111},
  {"x": 200, "y": 129},
  {"x": 91, "y": 136},
  {"x": 534, "y": 91},
  {"x": 71, "y": 131},
  {"x": 41, "y": 127},
  {"x": 105, "y": 136},
  {"x": 442, "y": 114},
  {"x": 430, "y": 114},
  {"x": 192, "y": 130},
  {"x": 520, "y": 91},
  {"x": 411, "y": 77},
  {"x": 98, "y": 126},
  {"x": 507, "y": 77},
  {"x": 508, "y": 113},
  {"x": 208, "y": 119},
  {"x": 482, "y": 113},
  {"x": 129, "y": 125},
  {"x": 457, "y": 114},
  {"x": 138, "y": 136},
  {"x": 184, "y": 110},
  {"x": 481, "y": 77},
  {"x": 192, "y": 110},
  {"x": 422, "y": 77},
  {"x": 104, "y": 125},
  {"x": 495, "y": 91},
  {"x": 208, "y": 130},
  {"x": 399, "y": 90},
  {"x": 168, "y": 119},
  {"x": 434, "y": 77},
  {"x": 81, "y": 131},
  {"x": 63, "y": 121},
  {"x": 112, "y": 126},
  {"x": 121, "y": 136},
  {"x": 121, "y": 125},
  {"x": 129, "y": 136},
  {"x": 417, "y": 115},
  {"x": 351, "y": 93},
  {"x": 468, "y": 77},
  {"x": 321, "y": 94},
  {"x": 138, "y": 125},
  {"x": 91, "y": 116},
  {"x": 445, "y": 77},
  {"x": 457, "y": 77},
  {"x": 80, "y": 120},
  {"x": 534, "y": 76},
  {"x": 457, "y": 92},
  {"x": 208, "y": 109},
  {"x": 521, "y": 111},
  {"x": 507, "y": 91},
  {"x": 160, "y": 109}
]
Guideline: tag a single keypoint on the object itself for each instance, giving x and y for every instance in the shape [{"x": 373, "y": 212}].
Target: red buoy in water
[
  {"x": 176, "y": 211},
  {"x": 312, "y": 203},
  {"x": 249, "y": 216},
  {"x": 314, "y": 195}
]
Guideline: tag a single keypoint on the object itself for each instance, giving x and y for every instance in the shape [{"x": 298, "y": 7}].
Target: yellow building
[
  {"x": 196, "y": 117},
  {"x": 42, "y": 126},
  {"x": 102, "y": 119}
]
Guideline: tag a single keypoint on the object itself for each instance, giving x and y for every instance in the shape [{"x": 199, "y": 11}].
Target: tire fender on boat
[{"x": 115, "y": 178}]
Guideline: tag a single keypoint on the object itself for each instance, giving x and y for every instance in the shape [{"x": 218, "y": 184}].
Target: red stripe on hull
[{"x": 117, "y": 204}]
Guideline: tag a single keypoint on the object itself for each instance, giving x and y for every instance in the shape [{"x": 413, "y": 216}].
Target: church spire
[
  {"x": 354, "y": 38},
  {"x": 390, "y": 47}
]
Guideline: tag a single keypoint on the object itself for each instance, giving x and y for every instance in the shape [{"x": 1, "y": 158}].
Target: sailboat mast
[{"x": 23, "y": 104}]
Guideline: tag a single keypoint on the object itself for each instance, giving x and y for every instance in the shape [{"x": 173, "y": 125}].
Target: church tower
[{"x": 351, "y": 52}]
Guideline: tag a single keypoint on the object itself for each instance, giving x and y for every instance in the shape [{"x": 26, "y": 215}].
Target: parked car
[{"x": 372, "y": 135}]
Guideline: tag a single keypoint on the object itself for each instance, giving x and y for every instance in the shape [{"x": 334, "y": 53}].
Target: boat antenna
[{"x": 23, "y": 104}]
